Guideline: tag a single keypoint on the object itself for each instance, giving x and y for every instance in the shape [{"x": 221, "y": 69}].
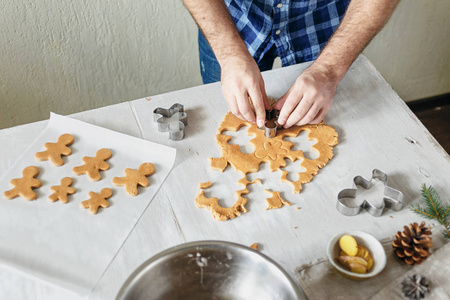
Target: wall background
[{"x": 69, "y": 56}]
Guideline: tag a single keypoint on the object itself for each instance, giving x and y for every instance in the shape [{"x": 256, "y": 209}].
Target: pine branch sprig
[{"x": 434, "y": 209}]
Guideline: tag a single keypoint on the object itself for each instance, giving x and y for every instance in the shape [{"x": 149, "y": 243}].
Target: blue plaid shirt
[{"x": 299, "y": 28}]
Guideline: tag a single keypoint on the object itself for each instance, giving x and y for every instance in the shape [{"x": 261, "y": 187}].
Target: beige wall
[
  {"x": 68, "y": 56},
  {"x": 413, "y": 51}
]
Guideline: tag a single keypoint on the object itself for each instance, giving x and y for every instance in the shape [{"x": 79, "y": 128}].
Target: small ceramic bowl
[{"x": 363, "y": 239}]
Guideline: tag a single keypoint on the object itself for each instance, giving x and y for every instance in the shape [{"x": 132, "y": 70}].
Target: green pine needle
[
  {"x": 434, "y": 209},
  {"x": 447, "y": 211}
]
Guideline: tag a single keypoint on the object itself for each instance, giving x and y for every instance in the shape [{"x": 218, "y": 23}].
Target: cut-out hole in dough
[
  {"x": 293, "y": 168},
  {"x": 224, "y": 186},
  {"x": 242, "y": 139},
  {"x": 270, "y": 179},
  {"x": 301, "y": 143}
]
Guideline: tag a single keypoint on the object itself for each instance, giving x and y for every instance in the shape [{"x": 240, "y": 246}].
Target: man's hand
[
  {"x": 241, "y": 83},
  {"x": 241, "y": 78},
  {"x": 309, "y": 98}
]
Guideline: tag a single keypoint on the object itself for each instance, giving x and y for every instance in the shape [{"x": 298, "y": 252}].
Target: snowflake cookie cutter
[
  {"x": 172, "y": 120},
  {"x": 392, "y": 198}
]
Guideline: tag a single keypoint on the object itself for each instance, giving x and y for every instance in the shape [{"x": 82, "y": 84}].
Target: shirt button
[
  {"x": 278, "y": 32},
  {"x": 280, "y": 5}
]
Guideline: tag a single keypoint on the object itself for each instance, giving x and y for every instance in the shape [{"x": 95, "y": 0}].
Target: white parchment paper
[{"x": 63, "y": 243}]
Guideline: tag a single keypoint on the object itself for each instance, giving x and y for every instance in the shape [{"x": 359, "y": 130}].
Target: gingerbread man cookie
[
  {"x": 97, "y": 200},
  {"x": 24, "y": 186},
  {"x": 61, "y": 191},
  {"x": 134, "y": 178},
  {"x": 56, "y": 150},
  {"x": 93, "y": 165}
]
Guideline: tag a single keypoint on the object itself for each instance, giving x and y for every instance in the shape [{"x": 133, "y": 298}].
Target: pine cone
[
  {"x": 415, "y": 287},
  {"x": 413, "y": 244}
]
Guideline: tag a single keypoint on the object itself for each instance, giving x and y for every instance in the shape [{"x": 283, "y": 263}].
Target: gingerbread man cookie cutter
[
  {"x": 392, "y": 198},
  {"x": 172, "y": 120},
  {"x": 271, "y": 125}
]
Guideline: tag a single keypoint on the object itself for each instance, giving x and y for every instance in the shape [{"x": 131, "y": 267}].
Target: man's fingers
[
  {"x": 238, "y": 113},
  {"x": 320, "y": 116},
  {"x": 316, "y": 113},
  {"x": 266, "y": 102},
  {"x": 262, "y": 88},
  {"x": 288, "y": 107},
  {"x": 232, "y": 103},
  {"x": 258, "y": 103},
  {"x": 231, "y": 100},
  {"x": 307, "y": 116},
  {"x": 308, "y": 100},
  {"x": 299, "y": 113},
  {"x": 244, "y": 108},
  {"x": 279, "y": 104}
]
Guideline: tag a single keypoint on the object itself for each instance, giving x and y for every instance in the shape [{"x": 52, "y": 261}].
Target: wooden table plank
[{"x": 376, "y": 129}]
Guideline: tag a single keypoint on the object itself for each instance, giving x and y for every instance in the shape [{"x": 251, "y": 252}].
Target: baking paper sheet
[{"x": 63, "y": 243}]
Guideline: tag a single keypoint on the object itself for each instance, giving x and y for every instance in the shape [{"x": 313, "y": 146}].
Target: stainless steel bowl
[{"x": 210, "y": 270}]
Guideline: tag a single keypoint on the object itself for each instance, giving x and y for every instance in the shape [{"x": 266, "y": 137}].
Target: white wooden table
[{"x": 376, "y": 130}]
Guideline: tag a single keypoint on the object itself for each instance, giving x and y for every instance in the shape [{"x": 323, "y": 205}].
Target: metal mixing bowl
[{"x": 210, "y": 270}]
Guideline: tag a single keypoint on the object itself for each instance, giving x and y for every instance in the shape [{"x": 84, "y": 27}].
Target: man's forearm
[
  {"x": 217, "y": 26},
  {"x": 362, "y": 21},
  {"x": 240, "y": 76}
]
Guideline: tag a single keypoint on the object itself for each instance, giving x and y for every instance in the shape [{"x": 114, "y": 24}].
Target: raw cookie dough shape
[
  {"x": 204, "y": 185},
  {"x": 274, "y": 150},
  {"x": 134, "y": 178},
  {"x": 275, "y": 201},
  {"x": 24, "y": 186},
  {"x": 224, "y": 213},
  {"x": 56, "y": 150},
  {"x": 93, "y": 165},
  {"x": 97, "y": 200},
  {"x": 61, "y": 191}
]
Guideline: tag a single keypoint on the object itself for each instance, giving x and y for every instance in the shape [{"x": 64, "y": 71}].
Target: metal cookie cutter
[
  {"x": 172, "y": 120},
  {"x": 271, "y": 125},
  {"x": 393, "y": 198}
]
